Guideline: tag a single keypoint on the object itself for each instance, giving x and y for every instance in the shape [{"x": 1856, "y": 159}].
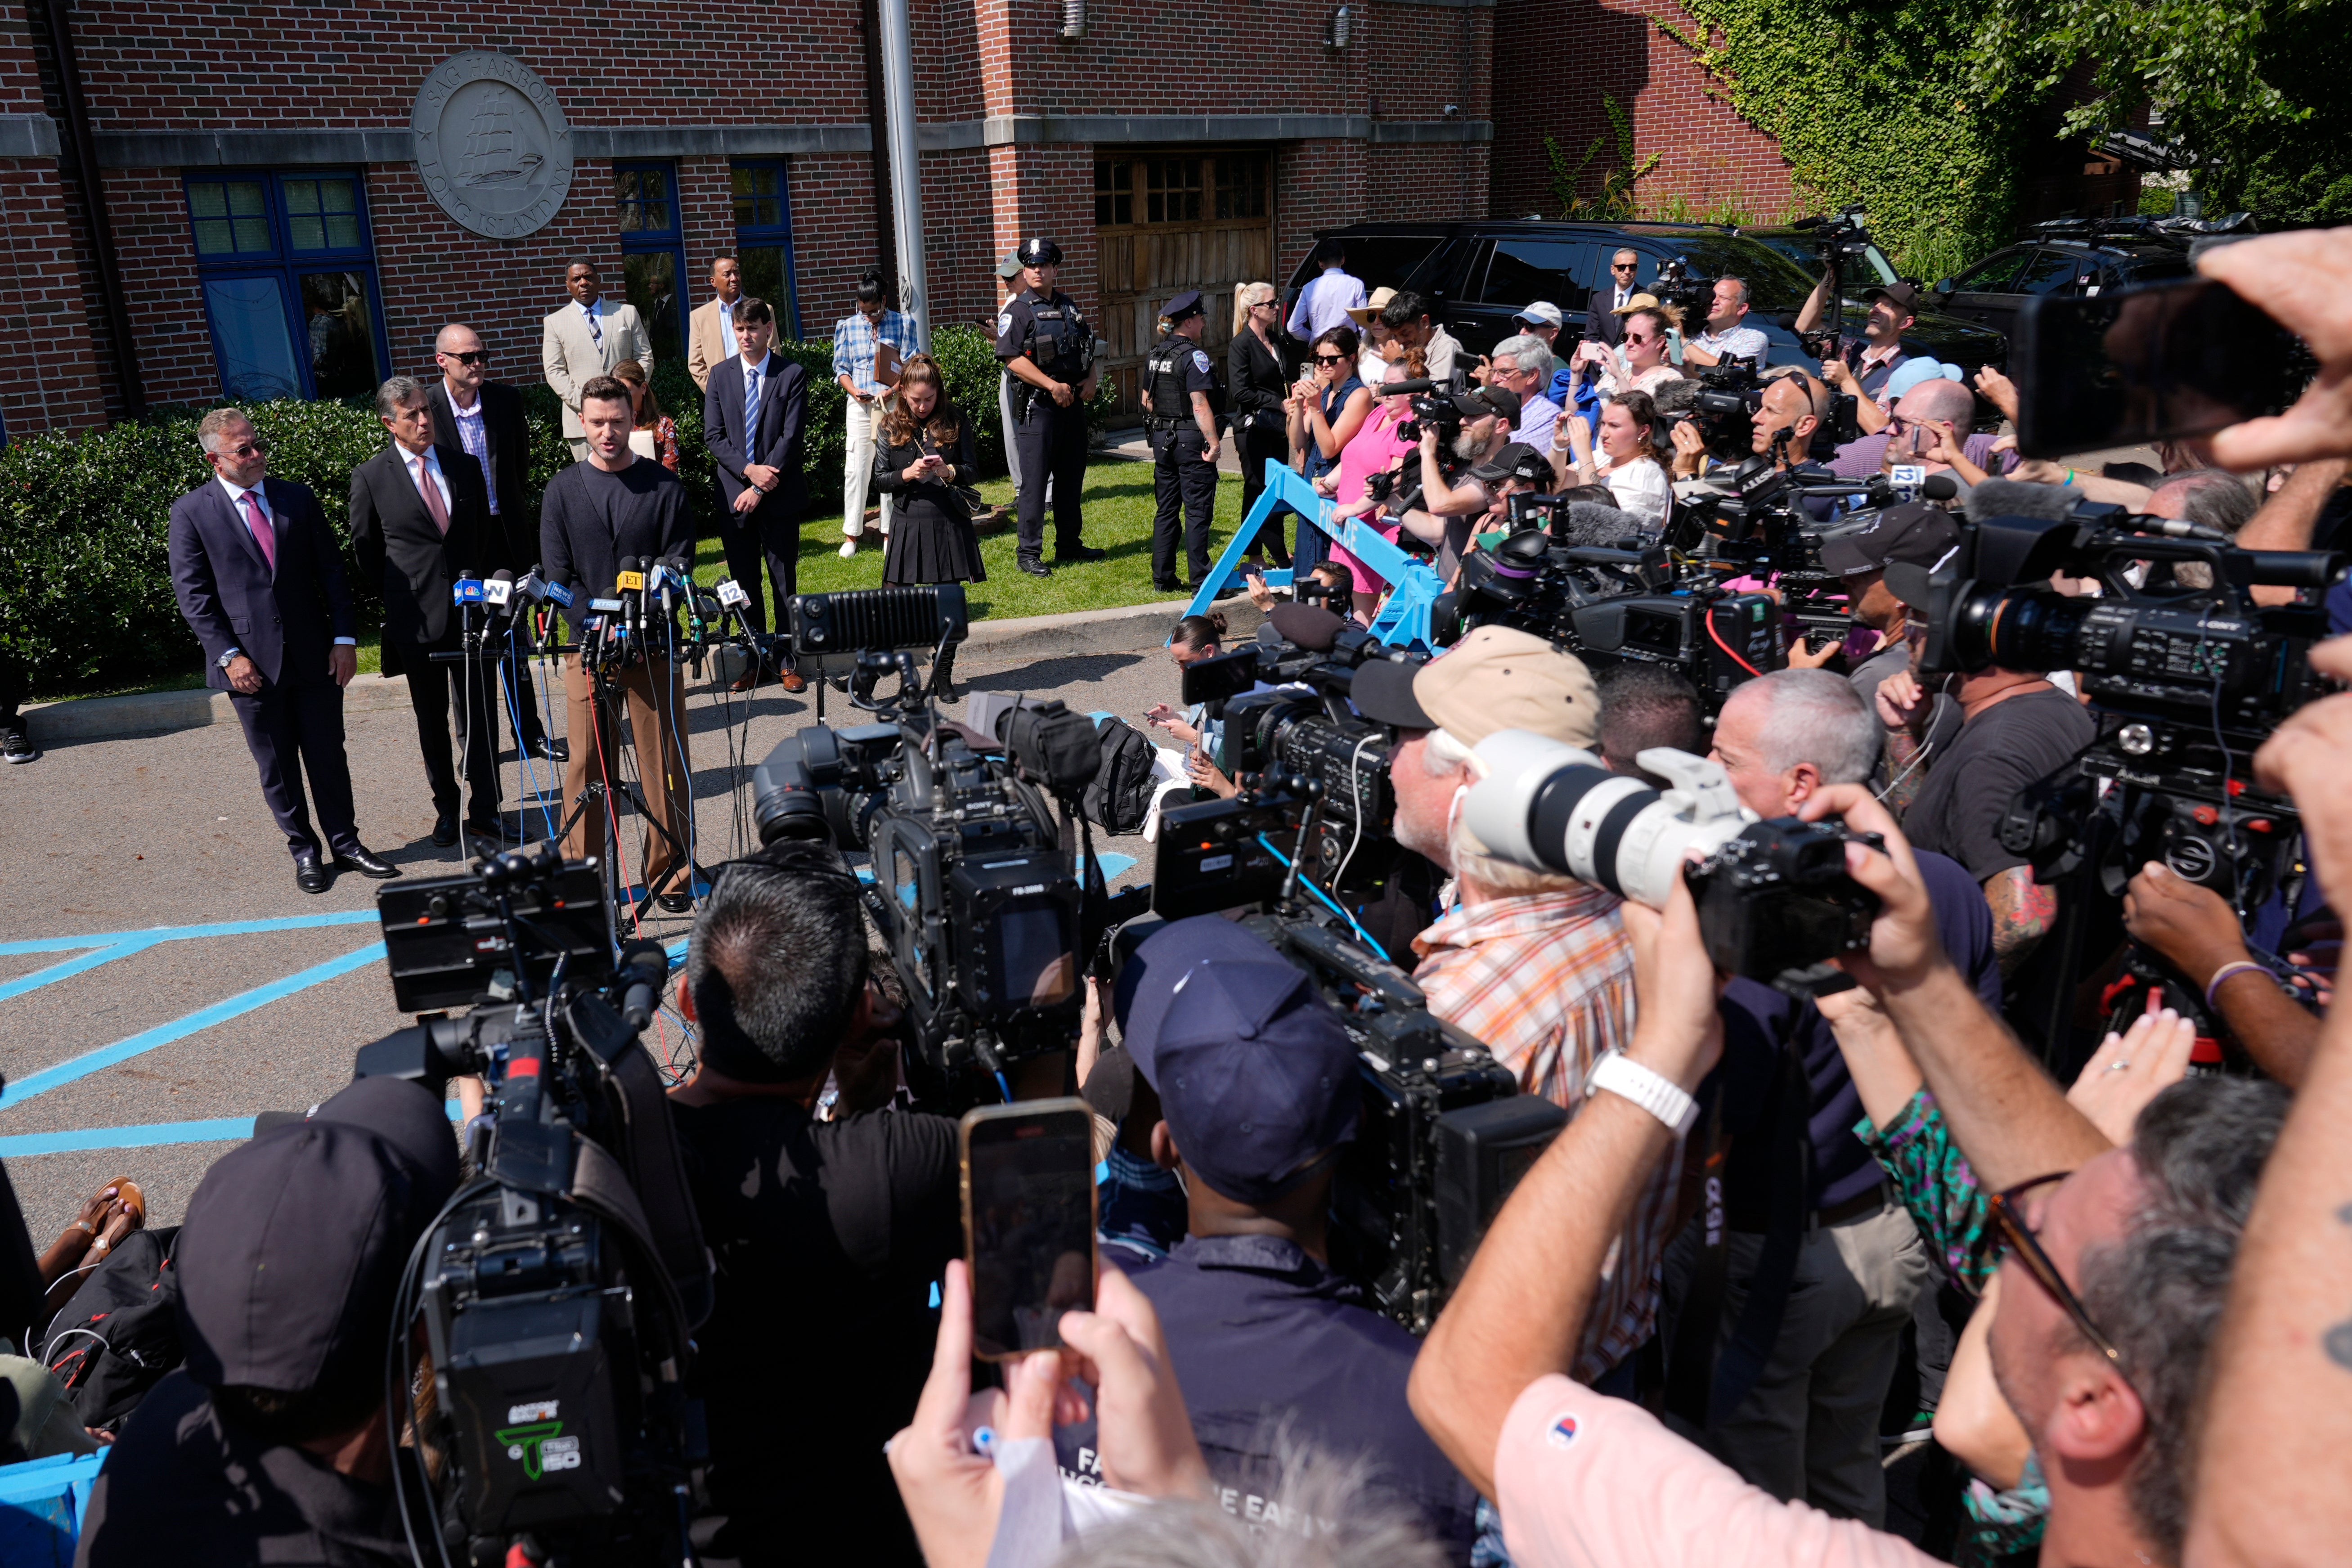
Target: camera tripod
[{"x": 606, "y": 786}]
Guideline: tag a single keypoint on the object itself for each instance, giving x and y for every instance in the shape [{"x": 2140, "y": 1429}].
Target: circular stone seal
[{"x": 492, "y": 143}]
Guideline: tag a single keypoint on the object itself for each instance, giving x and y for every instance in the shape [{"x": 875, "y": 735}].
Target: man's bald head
[
  {"x": 1795, "y": 402},
  {"x": 1939, "y": 399}
]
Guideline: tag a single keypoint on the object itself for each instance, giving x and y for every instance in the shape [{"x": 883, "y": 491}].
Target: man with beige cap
[{"x": 1536, "y": 965}]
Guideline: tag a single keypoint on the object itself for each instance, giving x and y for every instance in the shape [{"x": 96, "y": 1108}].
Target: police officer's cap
[
  {"x": 1184, "y": 305},
  {"x": 1040, "y": 252}
]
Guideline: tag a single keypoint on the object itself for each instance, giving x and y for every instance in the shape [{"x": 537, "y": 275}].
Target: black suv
[
  {"x": 1478, "y": 274},
  {"x": 2064, "y": 259}
]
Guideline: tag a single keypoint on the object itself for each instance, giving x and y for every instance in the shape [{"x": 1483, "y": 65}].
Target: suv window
[
  {"x": 1774, "y": 282},
  {"x": 1385, "y": 261},
  {"x": 2153, "y": 268},
  {"x": 1993, "y": 274},
  {"x": 1523, "y": 271},
  {"x": 2053, "y": 272}
]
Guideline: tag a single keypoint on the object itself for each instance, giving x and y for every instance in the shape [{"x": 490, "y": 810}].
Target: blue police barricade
[
  {"x": 1403, "y": 620},
  {"x": 41, "y": 1506}
]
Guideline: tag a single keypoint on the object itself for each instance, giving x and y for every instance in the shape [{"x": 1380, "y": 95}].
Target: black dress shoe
[
  {"x": 309, "y": 874},
  {"x": 445, "y": 829},
  {"x": 1034, "y": 568},
  {"x": 676, "y": 903},
  {"x": 1168, "y": 587},
  {"x": 366, "y": 863},
  {"x": 1079, "y": 553},
  {"x": 553, "y": 750},
  {"x": 494, "y": 830}
]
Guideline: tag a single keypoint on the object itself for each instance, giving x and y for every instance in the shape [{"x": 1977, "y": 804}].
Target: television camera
[{"x": 557, "y": 1289}]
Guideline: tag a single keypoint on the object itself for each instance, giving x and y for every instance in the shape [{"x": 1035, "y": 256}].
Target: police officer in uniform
[
  {"x": 1184, "y": 433},
  {"x": 1049, "y": 353}
]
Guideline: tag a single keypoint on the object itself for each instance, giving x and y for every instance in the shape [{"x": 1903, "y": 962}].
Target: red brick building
[{"x": 233, "y": 201}]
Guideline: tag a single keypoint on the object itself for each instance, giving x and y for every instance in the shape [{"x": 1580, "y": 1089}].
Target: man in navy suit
[
  {"x": 419, "y": 516},
  {"x": 752, "y": 417},
  {"x": 259, "y": 580}
]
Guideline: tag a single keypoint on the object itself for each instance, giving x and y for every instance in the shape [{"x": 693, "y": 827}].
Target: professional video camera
[
  {"x": 989, "y": 916},
  {"x": 559, "y": 1289},
  {"x": 2186, "y": 682},
  {"x": 1842, "y": 244},
  {"x": 1775, "y": 901},
  {"x": 1619, "y": 605},
  {"x": 1673, "y": 285}
]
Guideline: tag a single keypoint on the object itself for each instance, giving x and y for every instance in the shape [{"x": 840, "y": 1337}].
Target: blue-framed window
[
  {"x": 652, "y": 250},
  {"x": 764, "y": 238},
  {"x": 286, "y": 267}
]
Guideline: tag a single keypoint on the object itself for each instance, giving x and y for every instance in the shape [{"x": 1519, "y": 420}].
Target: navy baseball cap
[
  {"x": 1255, "y": 1077},
  {"x": 294, "y": 1244},
  {"x": 1188, "y": 303}
]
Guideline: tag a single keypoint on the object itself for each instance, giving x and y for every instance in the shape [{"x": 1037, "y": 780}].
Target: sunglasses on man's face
[
  {"x": 475, "y": 357},
  {"x": 257, "y": 448},
  {"x": 1622, "y": 266},
  {"x": 2008, "y": 1215}
]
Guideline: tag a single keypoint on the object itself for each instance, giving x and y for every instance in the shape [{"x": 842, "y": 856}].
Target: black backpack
[
  {"x": 1121, "y": 797},
  {"x": 121, "y": 1332}
]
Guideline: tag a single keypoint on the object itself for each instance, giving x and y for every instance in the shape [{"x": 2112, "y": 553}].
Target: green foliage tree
[{"x": 1616, "y": 200}]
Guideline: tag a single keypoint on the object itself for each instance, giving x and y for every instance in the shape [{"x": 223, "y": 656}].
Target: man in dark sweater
[{"x": 597, "y": 513}]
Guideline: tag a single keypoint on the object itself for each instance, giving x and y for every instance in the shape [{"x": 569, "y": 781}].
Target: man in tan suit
[
  {"x": 585, "y": 339},
  {"x": 710, "y": 330}
]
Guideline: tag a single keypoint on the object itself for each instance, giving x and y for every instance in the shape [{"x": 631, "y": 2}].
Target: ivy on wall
[{"x": 1875, "y": 104}]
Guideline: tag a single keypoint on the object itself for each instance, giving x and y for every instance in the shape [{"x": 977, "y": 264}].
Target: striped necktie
[
  {"x": 750, "y": 408},
  {"x": 595, "y": 327}
]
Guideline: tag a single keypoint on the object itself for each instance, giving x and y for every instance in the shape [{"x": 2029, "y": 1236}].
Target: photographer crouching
[{"x": 826, "y": 1235}]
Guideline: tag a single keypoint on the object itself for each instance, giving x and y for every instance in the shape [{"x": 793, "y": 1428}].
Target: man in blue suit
[
  {"x": 260, "y": 581},
  {"x": 751, "y": 418}
]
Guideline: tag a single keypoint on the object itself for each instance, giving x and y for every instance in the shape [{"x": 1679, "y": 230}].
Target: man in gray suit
[
  {"x": 585, "y": 339},
  {"x": 752, "y": 413}
]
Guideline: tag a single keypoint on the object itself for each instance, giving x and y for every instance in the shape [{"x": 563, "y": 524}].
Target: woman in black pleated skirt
[{"x": 923, "y": 456}]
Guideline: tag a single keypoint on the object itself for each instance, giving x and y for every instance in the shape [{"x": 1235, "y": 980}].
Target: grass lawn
[{"x": 1119, "y": 507}]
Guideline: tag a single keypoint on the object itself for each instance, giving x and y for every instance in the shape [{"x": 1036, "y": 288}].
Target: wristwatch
[
  {"x": 229, "y": 658},
  {"x": 1653, "y": 1093}
]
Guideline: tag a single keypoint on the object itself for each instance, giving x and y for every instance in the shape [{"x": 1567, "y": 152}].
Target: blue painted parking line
[
  {"x": 221, "y": 1130},
  {"x": 180, "y": 1028},
  {"x": 185, "y": 934}
]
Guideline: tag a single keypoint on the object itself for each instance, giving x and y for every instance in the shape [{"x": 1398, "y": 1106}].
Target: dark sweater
[{"x": 589, "y": 519}]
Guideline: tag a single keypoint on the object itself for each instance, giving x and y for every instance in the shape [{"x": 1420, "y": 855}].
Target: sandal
[{"x": 133, "y": 1218}]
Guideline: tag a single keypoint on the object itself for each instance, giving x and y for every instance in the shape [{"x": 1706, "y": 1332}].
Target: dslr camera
[{"x": 559, "y": 1289}]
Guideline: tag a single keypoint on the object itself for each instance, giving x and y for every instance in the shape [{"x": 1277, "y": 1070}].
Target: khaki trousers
[{"x": 655, "y": 692}]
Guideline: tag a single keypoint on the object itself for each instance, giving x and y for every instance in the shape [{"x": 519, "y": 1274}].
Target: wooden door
[{"x": 1169, "y": 221}]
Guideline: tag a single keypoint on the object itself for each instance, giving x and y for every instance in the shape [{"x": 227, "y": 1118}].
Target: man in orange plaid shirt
[{"x": 1536, "y": 965}]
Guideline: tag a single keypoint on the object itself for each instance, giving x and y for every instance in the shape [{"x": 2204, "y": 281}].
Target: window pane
[
  {"x": 1526, "y": 271},
  {"x": 2051, "y": 272},
  {"x": 342, "y": 338},
  {"x": 764, "y": 278},
  {"x": 230, "y": 217},
  {"x": 1992, "y": 275},
  {"x": 1173, "y": 193},
  {"x": 249, "y": 330},
  {"x": 651, "y": 284},
  {"x": 1241, "y": 187}
]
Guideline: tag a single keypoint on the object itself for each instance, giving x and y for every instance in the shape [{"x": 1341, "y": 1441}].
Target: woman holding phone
[
  {"x": 1326, "y": 408},
  {"x": 924, "y": 459}
]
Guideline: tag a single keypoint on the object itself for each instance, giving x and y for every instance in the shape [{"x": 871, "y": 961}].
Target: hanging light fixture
[
  {"x": 1335, "y": 35},
  {"x": 1073, "y": 18}
]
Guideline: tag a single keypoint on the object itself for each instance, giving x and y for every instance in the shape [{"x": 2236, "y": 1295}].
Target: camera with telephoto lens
[
  {"x": 1775, "y": 899},
  {"x": 1673, "y": 285},
  {"x": 2186, "y": 682},
  {"x": 559, "y": 1289},
  {"x": 1611, "y": 605},
  {"x": 1442, "y": 1135},
  {"x": 992, "y": 908}
]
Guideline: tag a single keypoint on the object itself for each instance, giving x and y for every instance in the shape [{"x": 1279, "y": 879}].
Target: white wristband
[{"x": 1653, "y": 1093}]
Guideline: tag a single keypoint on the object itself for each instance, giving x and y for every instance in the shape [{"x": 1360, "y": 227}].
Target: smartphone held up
[{"x": 1028, "y": 1221}]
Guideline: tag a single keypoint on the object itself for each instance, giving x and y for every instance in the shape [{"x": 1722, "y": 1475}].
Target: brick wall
[
  {"x": 1569, "y": 53},
  {"x": 48, "y": 377}
]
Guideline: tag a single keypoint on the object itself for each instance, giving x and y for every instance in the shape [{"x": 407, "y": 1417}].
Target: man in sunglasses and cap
[{"x": 1245, "y": 1085}]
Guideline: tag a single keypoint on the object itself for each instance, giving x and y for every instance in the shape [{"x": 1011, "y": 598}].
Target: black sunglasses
[
  {"x": 475, "y": 357},
  {"x": 1624, "y": 266},
  {"x": 2009, "y": 1220},
  {"x": 1330, "y": 359}
]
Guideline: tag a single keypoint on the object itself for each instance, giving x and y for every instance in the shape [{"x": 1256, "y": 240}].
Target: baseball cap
[
  {"x": 1913, "y": 530},
  {"x": 294, "y": 1244},
  {"x": 1542, "y": 311},
  {"x": 1382, "y": 692},
  {"x": 1902, "y": 296},
  {"x": 1501, "y": 679},
  {"x": 1362, "y": 314},
  {"x": 1516, "y": 461},
  {"x": 1638, "y": 302},
  {"x": 1010, "y": 268},
  {"x": 1255, "y": 1076},
  {"x": 1481, "y": 401}
]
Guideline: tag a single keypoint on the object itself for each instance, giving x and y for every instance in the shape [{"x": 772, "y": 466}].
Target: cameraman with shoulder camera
[
  {"x": 1728, "y": 337},
  {"x": 1808, "y": 1427},
  {"x": 1452, "y": 499},
  {"x": 826, "y": 1235},
  {"x": 1536, "y": 965},
  {"x": 271, "y": 1443},
  {"x": 1868, "y": 361}
]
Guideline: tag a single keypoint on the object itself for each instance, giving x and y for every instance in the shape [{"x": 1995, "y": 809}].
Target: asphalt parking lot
[{"x": 163, "y": 980}]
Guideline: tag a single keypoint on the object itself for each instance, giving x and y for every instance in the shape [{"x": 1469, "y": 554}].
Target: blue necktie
[{"x": 750, "y": 408}]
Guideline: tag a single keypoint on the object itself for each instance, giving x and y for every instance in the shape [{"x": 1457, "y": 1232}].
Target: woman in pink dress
[{"x": 1376, "y": 446}]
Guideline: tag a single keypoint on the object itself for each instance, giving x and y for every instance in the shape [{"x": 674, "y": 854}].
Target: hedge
[{"x": 86, "y": 599}]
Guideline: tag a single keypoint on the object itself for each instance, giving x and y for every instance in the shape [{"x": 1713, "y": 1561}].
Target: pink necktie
[
  {"x": 260, "y": 526},
  {"x": 432, "y": 493}
]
